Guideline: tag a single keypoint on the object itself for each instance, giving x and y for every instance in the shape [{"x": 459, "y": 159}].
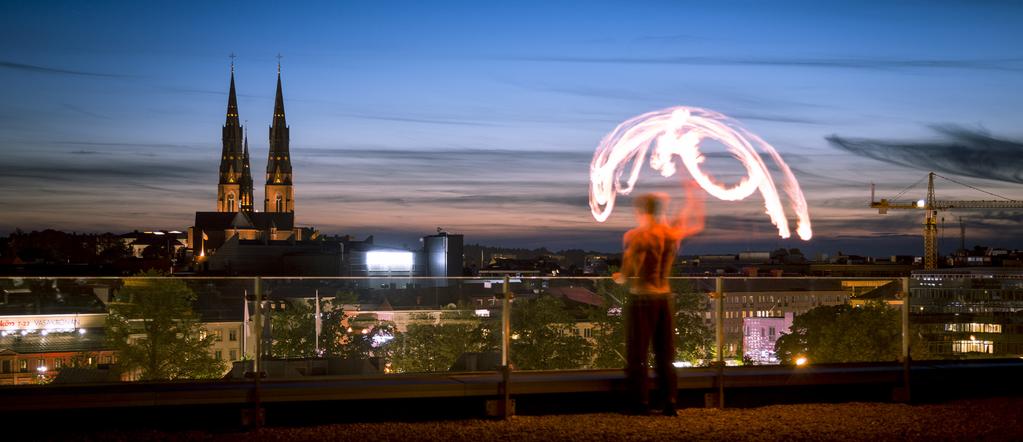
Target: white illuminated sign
[
  {"x": 45, "y": 324},
  {"x": 389, "y": 261}
]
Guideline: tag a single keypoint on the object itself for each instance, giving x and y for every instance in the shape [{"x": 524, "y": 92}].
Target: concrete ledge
[{"x": 925, "y": 376}]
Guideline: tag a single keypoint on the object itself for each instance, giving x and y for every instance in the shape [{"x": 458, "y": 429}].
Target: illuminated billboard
[{"x": 389, "y": 261}]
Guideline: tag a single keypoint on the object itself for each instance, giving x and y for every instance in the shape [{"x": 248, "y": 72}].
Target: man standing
[{"x": 650, "y": 250}]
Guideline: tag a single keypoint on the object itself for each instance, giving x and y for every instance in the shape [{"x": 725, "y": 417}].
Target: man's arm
[
  {"x": 689, "y": 220},
  {"x": 629, "y": 264}
]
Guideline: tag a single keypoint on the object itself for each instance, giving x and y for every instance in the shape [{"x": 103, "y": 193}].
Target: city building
[
  {"x": 760, "y": 336},
  {"x": 443, "y": 256},
  {"x": 47, "y": 326},
  {"x": 968, "y": 312},
  {"x": 751, "y": 304}
]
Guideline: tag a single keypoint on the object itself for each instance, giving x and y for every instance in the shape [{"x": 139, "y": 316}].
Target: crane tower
[{"x": 932, "y": 205}]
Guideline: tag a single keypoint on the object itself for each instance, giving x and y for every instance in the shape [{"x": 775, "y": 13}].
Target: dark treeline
[
  {"x": 571, "y": 257},
  {"x": 52, "y": 252},
  {"x": 56, "y": 247}
]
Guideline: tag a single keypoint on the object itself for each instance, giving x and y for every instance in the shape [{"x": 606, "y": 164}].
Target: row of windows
[
  {"x": 969, "y": 294},
  {"x": 744, "y": 299},
  {"x": 585, "y": 332},
  {"x": 752, "y": 314},
  {"x": 26, "y": 365},
  {"x": 769, "y": 331},
  {"x": 973, "y": 346},
  {"x": 218, "y": 335},
  {"x": 974, "y": 327},
  {"x": 219, "y": 355}
]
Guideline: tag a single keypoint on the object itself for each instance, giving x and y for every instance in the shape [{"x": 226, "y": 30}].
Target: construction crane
[{"x": 932, "y": 205}]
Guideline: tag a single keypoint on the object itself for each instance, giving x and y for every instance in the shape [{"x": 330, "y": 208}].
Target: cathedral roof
[{"x": 214, "y": 221}]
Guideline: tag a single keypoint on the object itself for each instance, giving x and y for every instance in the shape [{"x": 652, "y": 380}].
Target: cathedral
[
  {"x": 240, "y": 239},
  {"x": 236, "y": 218}
]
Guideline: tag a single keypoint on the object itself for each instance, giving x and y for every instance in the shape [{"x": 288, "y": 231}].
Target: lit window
[{"x": 972, "y": 346}]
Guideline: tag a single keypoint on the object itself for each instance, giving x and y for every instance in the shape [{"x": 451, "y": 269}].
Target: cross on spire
[
  {"x": 279, "y": 57},
  {"x": 232, "y": 57}
]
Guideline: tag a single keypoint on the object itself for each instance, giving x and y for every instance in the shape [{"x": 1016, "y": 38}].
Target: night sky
[{"x": 482, "y": 118}]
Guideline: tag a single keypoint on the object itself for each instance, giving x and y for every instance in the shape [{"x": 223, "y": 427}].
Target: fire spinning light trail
[{"x": 679, "y": 131}]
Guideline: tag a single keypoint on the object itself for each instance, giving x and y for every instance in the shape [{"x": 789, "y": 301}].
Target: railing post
[
  {"x": 719, "y": 337},
  {"x": 719, "y": 323},
  {"x": 506, "y": 405},
  {"x": 255, "y": 417},
  {"x": 903, "y": 394},
  {"x": 718, "y": 296},
  {"x": 257, "y": 323}
]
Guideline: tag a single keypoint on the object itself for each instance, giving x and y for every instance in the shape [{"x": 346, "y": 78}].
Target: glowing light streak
[{"x": 678, "y": 131}]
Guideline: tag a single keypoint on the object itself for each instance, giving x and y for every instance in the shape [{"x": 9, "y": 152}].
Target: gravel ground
[{"x": 980, "y": 419}]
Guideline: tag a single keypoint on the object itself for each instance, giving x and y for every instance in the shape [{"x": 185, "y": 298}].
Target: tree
[
  {"x": 692, "y": 336},
  {"x": 431, "y": 347},
  {"x": 843, "y": 333},
  {"x": 609, "y": 325},
  {"x": 156, "y": 333},
  {"x": 542, "y": 337},
  {"x": 110, "y": 248},
  {"x": 294, "y": 332}
]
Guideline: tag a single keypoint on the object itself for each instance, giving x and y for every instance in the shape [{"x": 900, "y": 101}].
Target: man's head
[{"x": 651, "y": 204}]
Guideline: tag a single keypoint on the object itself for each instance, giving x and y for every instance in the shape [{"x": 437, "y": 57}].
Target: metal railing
[{"x": 271, "y": 328}]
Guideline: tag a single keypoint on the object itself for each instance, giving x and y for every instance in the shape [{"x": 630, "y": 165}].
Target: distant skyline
[{"x": 482, "y": 119}]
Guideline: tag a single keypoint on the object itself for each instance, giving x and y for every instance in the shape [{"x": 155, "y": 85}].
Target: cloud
[
  {"x": 48, "y": 70},
  {"x": 494, "y": 198},
  {"x": 773, "y": 118},
  {"x": 119, "y": 144},
  {"x": 401, "y": 119},
  {"x": 85, "y": 112},
  {"x": 110, "y": 172},
  {"x": 219, "y": 92},
  {"x": 649, "y": 97},
  {"x": 956, "y": 150},
  {"x": 447, "y": 154},
  {"x": 668, "y": 39},
  {"x": 993, "y": 64}
]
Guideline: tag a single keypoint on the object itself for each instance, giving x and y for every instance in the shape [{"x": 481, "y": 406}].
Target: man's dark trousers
[{"x": 650, "y": 317}]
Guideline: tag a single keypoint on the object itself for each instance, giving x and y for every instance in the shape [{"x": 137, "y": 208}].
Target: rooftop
[{"x": 976, "y": 419}]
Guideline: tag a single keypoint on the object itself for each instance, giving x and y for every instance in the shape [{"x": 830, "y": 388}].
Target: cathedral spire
[
  {"x": 232, "y": 101},
  {"x": 279, "y": 196},
  {"x": 279, "y": 99},
  {"x": 245, "y": 187},
  {"x": 229, "y": 195}
]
